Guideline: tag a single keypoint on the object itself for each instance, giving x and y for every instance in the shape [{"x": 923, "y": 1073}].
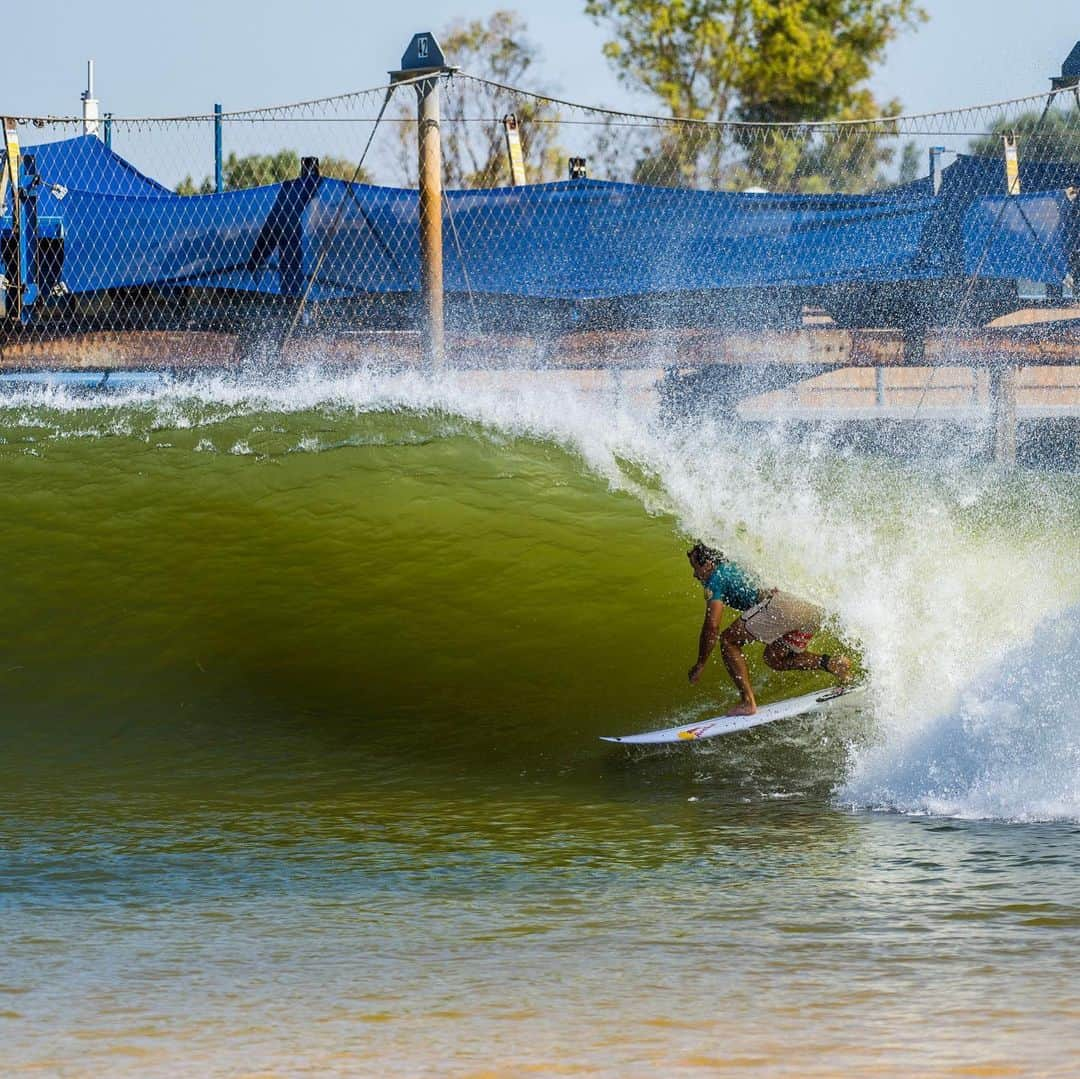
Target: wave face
[{"x": 480, "y": 573}]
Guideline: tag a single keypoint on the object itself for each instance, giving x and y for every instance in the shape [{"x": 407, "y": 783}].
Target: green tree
[
  {"x": 758, "y": 62},
  {"x": 1053, "y": 138},
  {"x": 911, "y": 163},
  {"x": 474, "y": 154},
  {"x": 257, "y": 170},
  {"x": 187, "y": 186}
]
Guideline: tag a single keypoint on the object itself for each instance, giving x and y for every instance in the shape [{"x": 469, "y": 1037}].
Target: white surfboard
[{"x": 809, "y": 703}]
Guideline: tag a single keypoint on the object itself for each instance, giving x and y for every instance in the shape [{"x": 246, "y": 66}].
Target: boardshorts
[{"x": 781, "y": 616}]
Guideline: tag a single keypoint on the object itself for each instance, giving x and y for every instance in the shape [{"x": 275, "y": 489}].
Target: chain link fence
[{"x": 557, "y": 219}]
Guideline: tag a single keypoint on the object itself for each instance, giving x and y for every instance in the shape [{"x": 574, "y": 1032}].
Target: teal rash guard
[{"x": 731, "y": 585}]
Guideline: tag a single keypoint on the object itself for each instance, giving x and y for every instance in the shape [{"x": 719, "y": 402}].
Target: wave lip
[{"x": 1009, "y": 749}]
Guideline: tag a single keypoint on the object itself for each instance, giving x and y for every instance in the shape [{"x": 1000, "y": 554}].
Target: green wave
[
  {"x": 415, "y": 585},
  {"x": 213, "y": 588}
]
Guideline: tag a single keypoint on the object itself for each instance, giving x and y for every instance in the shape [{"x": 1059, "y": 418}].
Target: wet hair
[{"x": 702, "y": 553}]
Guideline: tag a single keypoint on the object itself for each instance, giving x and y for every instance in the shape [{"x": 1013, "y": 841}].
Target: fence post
[
  {"x": 1003, "y": 393},
  {"x": 16, "y": 167},
  {"x": 431, "y": 249},
  {"x": 1005, "y": 378},
  {"x": 1012, "y": 164},
  {"x": 11, "y": 303},
  {"x": 935, "y": 168},
  {"x": 424, "y": 57},
  {"x": 513, "y": 150},
  {"x": 219, "y": 173}
]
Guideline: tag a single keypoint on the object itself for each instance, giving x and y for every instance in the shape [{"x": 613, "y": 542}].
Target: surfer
[{"x": 783, "y": 622}]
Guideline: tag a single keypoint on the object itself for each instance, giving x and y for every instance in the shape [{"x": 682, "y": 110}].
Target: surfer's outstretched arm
[{"x": 710, "y": 631}]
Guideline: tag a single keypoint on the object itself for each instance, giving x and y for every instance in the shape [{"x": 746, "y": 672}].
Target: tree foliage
[
  {"x": 911, "y": 164},
  {"x": 257, "y": 170},
  {"x": 758, "y": 62},
  {"x": 1053, "y": 138},
  {"x": 474, "y": 154}
]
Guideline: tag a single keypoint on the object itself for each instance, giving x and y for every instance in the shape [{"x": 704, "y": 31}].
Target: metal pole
[
  {"x": 108, "y": 131},
  {"x": 1003, "y": 392},
  {"x": 935, "y": 168},
  {"x": 90, "y": 105},
  {"x": 28, "y": 250},
  {"x": 513, "y": 149},
  {"x": 1004, "y": 380},
  {"x": 13, "y": 300},
  {"x": 1012, "y": 164},
  {"x": 219, "y": 172},
  {"x": 431, "y": 247}
]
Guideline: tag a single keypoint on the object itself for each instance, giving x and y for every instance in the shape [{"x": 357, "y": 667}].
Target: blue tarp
[
  {"x": 1023, "y": 236},
  {"x": 587, "y": 239},
  {"x": 579, "y": 239},
  {"x": 970, "y": 176},
  {"x": 85, "y": 164}
]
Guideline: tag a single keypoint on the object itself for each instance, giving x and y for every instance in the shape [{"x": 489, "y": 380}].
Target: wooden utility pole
[
  {"x": 431, "y": 247},
  {"x": 425, "y": 57}
]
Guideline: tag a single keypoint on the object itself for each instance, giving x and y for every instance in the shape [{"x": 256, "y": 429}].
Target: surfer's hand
[{"x": 695, "y": 673}]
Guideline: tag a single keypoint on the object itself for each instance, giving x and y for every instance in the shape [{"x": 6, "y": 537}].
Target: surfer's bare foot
[
  {"x": 746, "y": 708},
  {"x": 840, "y": 668}
]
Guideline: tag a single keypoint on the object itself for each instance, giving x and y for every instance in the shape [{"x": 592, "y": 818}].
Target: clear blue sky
[{"x": 180, "y": 58}]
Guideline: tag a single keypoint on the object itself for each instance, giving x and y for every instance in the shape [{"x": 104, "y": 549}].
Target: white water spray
[{"x": 1009, "y": 748}]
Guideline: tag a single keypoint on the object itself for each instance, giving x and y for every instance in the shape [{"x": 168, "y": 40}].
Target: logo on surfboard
[{"x": 692, "y": 733}]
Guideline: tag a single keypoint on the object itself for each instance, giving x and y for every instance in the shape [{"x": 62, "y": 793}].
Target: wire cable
[{"x": 325, "y": 246}]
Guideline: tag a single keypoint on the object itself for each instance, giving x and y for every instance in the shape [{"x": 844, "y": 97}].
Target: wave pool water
[{"x": 302, "y": 687}]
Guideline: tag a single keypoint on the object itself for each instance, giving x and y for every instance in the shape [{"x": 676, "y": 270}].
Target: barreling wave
[{"x": 487, "y": 569}]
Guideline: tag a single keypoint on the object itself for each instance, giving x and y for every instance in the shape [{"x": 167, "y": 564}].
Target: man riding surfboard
[{"x": 783, "y": 622}]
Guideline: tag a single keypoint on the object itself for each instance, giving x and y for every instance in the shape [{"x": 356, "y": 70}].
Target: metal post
[
  {"x": 935, "y": 168},
  {"x": 9, "y": 163},
  {"x": 219, "y": 171},
  {"x": 1003, "y": 393},
  {"x": 22, "y": 254},
  {"x": 90, "y": 107},
  {"x": 22, "y": 171},
  {"x": 431, "y": 249},
  {"x": 9, "y": 173},
  {"x": 1004, "y": 379},
  {"x": 513, "y": 150},
  {"x": 28, "y": 236},
  {"x": 108, "y": 131},
  {"x": 1012, "y": 164}
]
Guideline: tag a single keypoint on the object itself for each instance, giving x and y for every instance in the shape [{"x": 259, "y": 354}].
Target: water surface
[{"x": 300, "y": 770}]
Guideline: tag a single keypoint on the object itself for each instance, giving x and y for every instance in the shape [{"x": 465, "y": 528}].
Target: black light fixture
[
  {"x": 1069, "y": 79},
  {"x": 1070, "y": 72}
]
